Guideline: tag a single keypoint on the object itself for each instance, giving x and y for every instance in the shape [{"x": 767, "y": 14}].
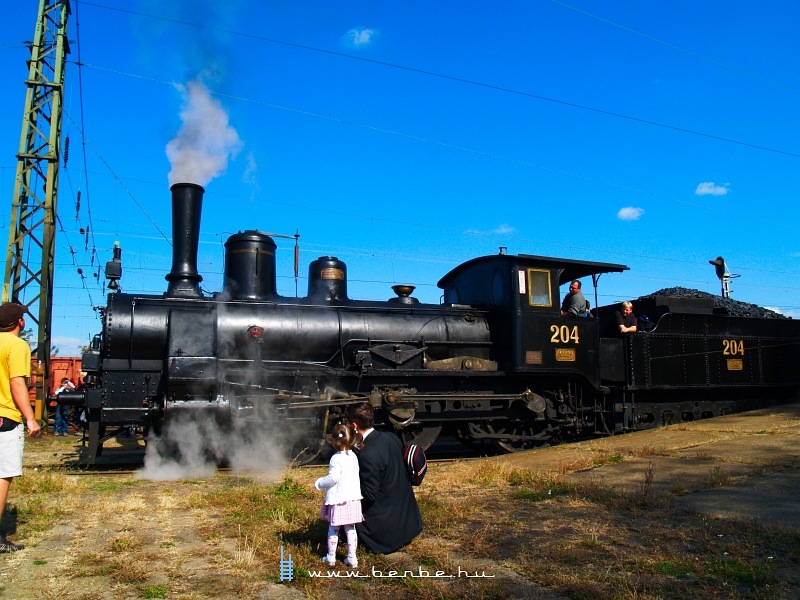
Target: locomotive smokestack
[{"x": 187, "y": 204}]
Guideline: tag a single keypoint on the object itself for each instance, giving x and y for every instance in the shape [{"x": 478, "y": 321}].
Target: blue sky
[{"x": 405, "y": 138}]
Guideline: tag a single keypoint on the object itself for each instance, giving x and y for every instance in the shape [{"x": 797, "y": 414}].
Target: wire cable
[{"x": 454, "y": 78}]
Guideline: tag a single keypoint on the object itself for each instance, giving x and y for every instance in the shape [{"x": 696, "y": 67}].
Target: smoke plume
[{"x": 201, "y": 149}]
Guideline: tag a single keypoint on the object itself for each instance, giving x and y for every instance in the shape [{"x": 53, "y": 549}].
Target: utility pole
[{"x": 30, "y": 258}]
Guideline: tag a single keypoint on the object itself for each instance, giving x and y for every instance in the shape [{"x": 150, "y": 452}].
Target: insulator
[
  {"x": 78, "y": 205},
  {"x": 66, "y": 152}
]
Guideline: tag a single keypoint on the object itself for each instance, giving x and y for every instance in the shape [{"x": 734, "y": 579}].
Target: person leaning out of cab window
[
  {"x": 626, "y": 320},
  {"x": 574, "y": 304}
]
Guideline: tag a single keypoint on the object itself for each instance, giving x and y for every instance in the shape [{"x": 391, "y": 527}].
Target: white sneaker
[
  {"x": 351, "y": 562},
  {"x": 331, "y": 562}
]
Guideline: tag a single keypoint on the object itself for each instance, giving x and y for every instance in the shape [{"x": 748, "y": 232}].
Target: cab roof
[{"x": 569, "y": 269}]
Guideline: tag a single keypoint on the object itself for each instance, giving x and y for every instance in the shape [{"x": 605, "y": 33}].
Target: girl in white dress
[{"x": 342, "y": 506}]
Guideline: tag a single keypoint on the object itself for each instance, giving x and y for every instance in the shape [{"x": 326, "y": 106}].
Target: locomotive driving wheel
[
  {"x": 156, "y": 416},
  {"x": 310, "y": 439},
  {"x": 304, "y": 451},
  {"x": 421, "y": 435},
  {"x": 514, "y": 435}
]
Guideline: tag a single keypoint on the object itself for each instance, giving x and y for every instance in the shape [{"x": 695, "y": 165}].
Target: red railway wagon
[
  {"x": 64, "y": 366},
  {"x": 60, "y": 367}
]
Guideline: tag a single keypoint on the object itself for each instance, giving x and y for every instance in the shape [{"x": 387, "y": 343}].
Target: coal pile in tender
[{"x": 735, "y": 308}]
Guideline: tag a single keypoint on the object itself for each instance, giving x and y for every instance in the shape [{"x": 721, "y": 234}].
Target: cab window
[{"x": 539, "y": 288}]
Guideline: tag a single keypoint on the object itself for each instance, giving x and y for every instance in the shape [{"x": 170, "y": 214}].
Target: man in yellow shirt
[{"x": 15, "y": 404}]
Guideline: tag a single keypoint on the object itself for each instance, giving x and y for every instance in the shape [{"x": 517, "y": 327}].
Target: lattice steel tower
[{"x": 31, "y": 240}]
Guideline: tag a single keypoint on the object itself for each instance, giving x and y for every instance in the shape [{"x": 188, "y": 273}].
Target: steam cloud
[
  {"x": 193, "y": 444},
  {"x": 204, "y": 143}
]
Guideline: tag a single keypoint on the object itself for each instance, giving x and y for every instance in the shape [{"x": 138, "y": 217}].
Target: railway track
[{"x": 127, "y": 462}]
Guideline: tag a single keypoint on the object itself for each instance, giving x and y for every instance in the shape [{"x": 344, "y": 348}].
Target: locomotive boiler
[{"x": 493, "y": 361}]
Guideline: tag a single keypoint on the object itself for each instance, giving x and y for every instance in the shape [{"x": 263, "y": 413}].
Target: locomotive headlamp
[
  {"x": 255, "y": 332},
  {"x": 114, "y": 269}
]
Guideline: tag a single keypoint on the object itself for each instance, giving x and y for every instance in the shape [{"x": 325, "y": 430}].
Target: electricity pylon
[{"x": 30, "y": 259}]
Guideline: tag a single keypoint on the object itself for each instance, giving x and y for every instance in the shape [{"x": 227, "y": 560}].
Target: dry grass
[
  {"x": 719, "y": 477},
  {"x": 650, "y": 450},
  {"x": 538, "y": 532}
]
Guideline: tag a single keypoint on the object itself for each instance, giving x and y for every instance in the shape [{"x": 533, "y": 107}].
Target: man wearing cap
[{"x": 15, "y": 404}]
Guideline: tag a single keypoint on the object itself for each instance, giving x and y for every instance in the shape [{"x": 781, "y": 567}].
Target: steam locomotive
[{"x": 494, "y": 361}]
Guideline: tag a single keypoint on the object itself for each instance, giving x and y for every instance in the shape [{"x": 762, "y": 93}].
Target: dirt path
[
  {"x": 71, "y": 559},
  {"x": 741, "y": 466}
]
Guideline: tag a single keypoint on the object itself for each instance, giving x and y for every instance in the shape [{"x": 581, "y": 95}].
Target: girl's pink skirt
[{"x": 345, "y": 513}]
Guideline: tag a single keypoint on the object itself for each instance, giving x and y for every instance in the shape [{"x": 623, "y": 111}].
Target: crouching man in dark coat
[{"x": 391, "y": 514}]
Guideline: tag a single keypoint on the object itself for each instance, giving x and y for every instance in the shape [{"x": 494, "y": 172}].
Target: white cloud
[
  {"x": 69, "y": 346},
  {"x": 630, "y": 213},
  {"x": 504, "y": 230},
  {"x": 792, "y": 314},
  {"x": 709, "y": 188},
  {"x": 359, "y": 36}
]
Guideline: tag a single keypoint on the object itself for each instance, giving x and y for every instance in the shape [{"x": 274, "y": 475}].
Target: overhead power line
[
  {"x": 680, "y": 49},
  {"x": 454, "y": 78}
]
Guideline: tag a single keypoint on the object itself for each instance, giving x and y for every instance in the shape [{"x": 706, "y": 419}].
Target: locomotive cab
[
  {"x": 523, "y": 294},
  {"x": 550, "y": 362}
]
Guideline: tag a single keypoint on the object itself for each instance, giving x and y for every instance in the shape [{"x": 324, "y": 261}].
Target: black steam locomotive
[{"x": 494, "y": 361}]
